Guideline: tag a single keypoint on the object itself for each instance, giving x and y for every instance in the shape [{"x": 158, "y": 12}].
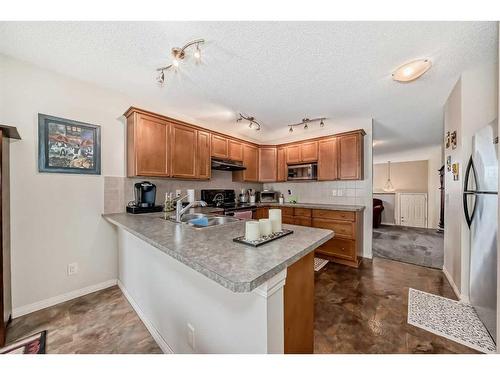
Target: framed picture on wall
[{"x": 68, "y": 146}]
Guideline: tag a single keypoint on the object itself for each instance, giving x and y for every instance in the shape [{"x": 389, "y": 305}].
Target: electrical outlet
[
  {"x": 177, "y": 193},
  {"x": 290, "y": 192},
  {"x": 190, "y": 333},
  {"x": 340, "y": 193},
  {"x": 72, "y": 268},
  {"x": 334, "y": 192}
]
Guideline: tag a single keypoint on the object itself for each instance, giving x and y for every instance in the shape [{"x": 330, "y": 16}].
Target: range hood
[{"x": 227, "y": 165}]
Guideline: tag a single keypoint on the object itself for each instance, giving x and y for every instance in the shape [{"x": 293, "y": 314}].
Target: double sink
[{"x": 199, "y": 221}]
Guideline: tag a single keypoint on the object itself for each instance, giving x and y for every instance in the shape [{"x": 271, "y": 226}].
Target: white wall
[
  {"x": 472, "y": 104},
  {"x": 434, "y": 156},
  {"x": 56, "y": 218},
  {"x": 171, "y": 295},
  {"x": 353, "y": 192}
]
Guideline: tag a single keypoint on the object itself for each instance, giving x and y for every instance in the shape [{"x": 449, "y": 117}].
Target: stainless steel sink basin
[
  {"x": 187, "y": 217},
  {"x": 214, "y": 220}
]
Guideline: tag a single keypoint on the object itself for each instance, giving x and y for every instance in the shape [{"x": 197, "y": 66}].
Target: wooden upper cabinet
[
  {"x": 293, "y": 154},
  {"x": 235, "y": 150},
  {"x": 282, "y": 171},
  {"x": 147, "y": 145},
  {"x": 268, "y": 164},
  {"x": 327, "y": 159},
  {"x": 305, "y": 152},
  {"x": 251, "y": 162},
  {"x": 220, "y": 147},
  {"x": 351, "y": 157},
  {"x": 203, "y": 162},
  {"x": 309, "y": 152},
  {"x": 183, "y": 146}
]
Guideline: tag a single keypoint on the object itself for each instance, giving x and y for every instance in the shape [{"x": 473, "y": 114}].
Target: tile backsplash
[
  {"x": 332, "y": 192},
  {"x": 118, "y": 191}
]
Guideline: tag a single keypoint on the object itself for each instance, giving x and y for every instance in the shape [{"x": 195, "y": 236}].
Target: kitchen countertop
[
  {"x": 319, "y": 206},
  {"x": 212, "y": 252}
]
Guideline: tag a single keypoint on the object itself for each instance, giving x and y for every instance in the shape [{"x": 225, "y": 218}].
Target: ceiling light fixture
[
  {"x": 178, "y": 55},
  {"x": 388, "y": 186},
  {"x": 253, "y": 124},
  {"x": 306, "y": 121},
  {"x": 412, "y": 70}
]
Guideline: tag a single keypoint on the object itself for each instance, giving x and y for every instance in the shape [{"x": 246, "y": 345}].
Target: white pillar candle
[
  {"x": 275, "y": 217},
  {"x": 265, "y": 227},
  {"x": 252, "y": 231}
]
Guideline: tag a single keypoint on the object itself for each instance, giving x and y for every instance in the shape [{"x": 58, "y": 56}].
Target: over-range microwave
[{"x": 302, "y": 172}]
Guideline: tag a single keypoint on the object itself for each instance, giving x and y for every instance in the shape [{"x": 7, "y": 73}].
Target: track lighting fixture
[
  {"x": 178, "y": 55},
  {"x": 305, "y": 121},
  {"x": 253, "y": 124}
]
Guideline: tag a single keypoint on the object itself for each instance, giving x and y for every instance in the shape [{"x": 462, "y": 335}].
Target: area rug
[
  {"x": 319, "y": 263},
  {"x": 451, "y": 319},
  {"x": 34, "y": 344}
]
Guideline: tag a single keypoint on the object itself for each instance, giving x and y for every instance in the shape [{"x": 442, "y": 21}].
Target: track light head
[
  {"x": 290, "y": 130},
  {"x": 321, "y": 124}
]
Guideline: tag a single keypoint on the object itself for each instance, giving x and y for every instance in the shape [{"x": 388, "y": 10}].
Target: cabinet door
[
  {"x": 350, "y": 157},
  {"x": 293, "y": 154},
  {"x": 219, "y": 147},
  {"x": 327, "y": 159},
  {"x": 184, "y": 142},
  {"x": 261, "y": 213},
  {"x": 287, "y": 219},
  {"x": 148, "y": 145},
  {"x": 203, "y": 170},
  {"x": 267, "y": 164},
  {"x": 235, "y": 150},
  {"x": 309, "y": 151},
  {"x": 304, "y": 221},
  {"x": 251, "y": 162},
  {"x": 281, "y": 165}
]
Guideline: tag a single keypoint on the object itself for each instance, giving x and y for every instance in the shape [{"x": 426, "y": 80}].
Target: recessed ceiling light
[{"x": 411, "y": 70}]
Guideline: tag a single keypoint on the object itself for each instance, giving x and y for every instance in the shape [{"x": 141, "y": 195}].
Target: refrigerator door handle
[{"x": 469, "y": 217}]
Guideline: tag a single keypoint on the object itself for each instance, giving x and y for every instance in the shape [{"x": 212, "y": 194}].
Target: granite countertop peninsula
[
  {"x": 212, "y": 252},
  {"x": 318, "y": 206}
]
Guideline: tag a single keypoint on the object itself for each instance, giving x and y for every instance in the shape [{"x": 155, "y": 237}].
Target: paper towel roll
[{"x": 190, "y": 193}]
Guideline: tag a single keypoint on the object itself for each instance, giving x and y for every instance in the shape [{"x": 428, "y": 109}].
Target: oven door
[{"x": 302, "y": 172}]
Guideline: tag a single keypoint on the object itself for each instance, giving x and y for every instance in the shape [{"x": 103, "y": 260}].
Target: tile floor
[
  {"x": 356, "y": 311},
  {"x": 101, "y": 322},
  {"x": 365, "y": 310}
]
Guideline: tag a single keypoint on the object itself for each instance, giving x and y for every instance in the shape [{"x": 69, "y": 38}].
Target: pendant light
[{"x": 388, "y": 184}]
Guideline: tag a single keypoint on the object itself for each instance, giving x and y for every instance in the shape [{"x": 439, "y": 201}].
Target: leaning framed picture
[{"x": 68, "y": 146}]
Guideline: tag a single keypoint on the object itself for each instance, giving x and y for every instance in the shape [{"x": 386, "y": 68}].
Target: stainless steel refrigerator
[{"x": 481, "y": 214}]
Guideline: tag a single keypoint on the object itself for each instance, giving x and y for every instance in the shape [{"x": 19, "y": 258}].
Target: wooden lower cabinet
[
  {"x": 347, "y": 245},
  {"x": 261, "y": 213},
  {"x": 298, "y": 302}
]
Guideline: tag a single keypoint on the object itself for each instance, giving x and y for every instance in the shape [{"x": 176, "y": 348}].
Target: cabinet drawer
[
  {"x": 334, "y": 215},
  {"x": 343, "y": 229},
  {"x": 304, "y": 221},
  {"x": 339, "y": 248},
  {"x": 287, "y": 219},
  {"x": 288, "y": 211},
  {"x": 304, "y": 212}
]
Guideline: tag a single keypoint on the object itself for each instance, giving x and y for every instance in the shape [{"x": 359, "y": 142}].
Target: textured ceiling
[{"x": 278, "y": 72}]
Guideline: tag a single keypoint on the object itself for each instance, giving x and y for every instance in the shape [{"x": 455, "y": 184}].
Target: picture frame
[{"x": 68, "y": 146}]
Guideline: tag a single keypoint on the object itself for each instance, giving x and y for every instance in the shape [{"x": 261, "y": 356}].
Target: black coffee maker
[{"x": 145, "y": 196}]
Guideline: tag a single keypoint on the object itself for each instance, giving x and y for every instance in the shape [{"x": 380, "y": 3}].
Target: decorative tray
[{"x": 263, "y": 240}]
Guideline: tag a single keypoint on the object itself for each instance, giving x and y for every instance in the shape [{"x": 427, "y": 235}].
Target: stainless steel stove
[{"x": 225, "y": 199}]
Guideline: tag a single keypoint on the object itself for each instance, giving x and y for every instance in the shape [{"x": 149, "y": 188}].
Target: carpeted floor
[{"x": 420, "y": 246}]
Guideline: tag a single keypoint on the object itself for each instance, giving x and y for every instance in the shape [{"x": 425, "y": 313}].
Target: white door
[{"x": 413, "y": 210}]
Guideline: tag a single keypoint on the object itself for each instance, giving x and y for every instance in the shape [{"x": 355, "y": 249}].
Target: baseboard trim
[
  {"x": 40, "y": 305},
  {"x": 452, "y": 283},
  {"x": 150, "y": 327}
]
